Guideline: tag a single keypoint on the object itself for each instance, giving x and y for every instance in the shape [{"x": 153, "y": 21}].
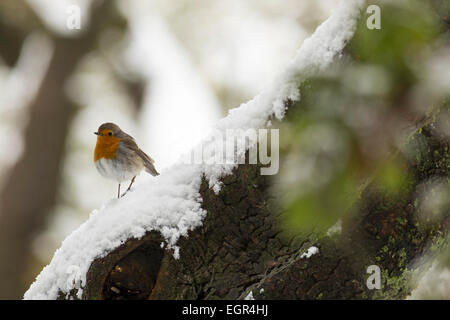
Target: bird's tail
[
  {"x": 150, "y": 168},
  {"x": 148, "y": 163}
]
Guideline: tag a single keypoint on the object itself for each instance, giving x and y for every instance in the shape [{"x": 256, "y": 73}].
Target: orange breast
[{"x": 106, "y": 147}]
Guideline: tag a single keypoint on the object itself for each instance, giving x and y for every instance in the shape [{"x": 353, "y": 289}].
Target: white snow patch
[
  {"x": 170, "y": 203},
  {"x": 249, "y": 296},
  {"x": 310, "y": 252}
]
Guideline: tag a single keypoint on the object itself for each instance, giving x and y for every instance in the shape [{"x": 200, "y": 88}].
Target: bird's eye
[{"x": 110, "y": 133}]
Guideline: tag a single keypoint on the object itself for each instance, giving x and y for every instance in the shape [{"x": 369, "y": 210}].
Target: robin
[{"x": 118, "y": 157}]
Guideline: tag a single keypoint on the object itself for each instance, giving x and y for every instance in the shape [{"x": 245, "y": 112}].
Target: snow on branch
[{"x": 171, "y": 203}]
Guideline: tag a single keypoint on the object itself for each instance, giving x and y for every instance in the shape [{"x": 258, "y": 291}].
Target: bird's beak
[{"x": 96, "y": 133}]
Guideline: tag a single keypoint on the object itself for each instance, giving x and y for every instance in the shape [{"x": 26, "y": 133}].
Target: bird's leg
[
  {"x": 118, "y": 192},
  {"x": 129, "y": 187},
  {"x": 132, "y": 180}
]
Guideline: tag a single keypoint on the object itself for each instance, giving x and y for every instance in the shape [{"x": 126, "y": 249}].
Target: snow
[
  {"x": 310, "y": 252},
  {"x": 249, "y": 296},
  {"x": 170, "y": 203}
]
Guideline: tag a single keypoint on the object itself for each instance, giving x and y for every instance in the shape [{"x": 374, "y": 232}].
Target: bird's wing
[{"x": 148, "y": 163}]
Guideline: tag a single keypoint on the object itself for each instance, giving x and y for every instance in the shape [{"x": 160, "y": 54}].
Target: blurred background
[{"x": 165, "y": 71}]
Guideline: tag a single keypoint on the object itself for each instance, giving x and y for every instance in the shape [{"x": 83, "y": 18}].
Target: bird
[{"x": 118, "y": 157}]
